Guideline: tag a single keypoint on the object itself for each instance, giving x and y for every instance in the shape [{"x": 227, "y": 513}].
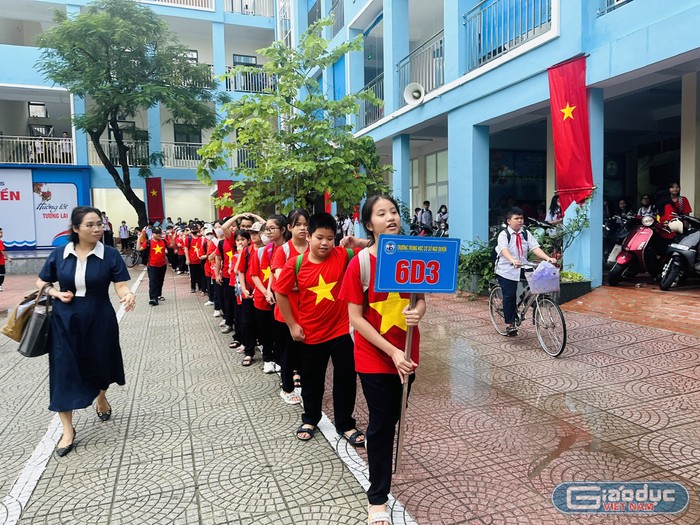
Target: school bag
[
  {"x": 494, "y": 255},
  {"x": 300, "y": 260}
]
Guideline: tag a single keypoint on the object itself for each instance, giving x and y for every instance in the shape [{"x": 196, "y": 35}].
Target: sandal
[
  {"x": 297, "y": 379},
  {"x": 378, "y": 517},
  {"x": 356, "y": 439},
  {"x": 234, "y": 344},
  {"x": 305, "y": 429},
  {"x": 247, "y": 361}
]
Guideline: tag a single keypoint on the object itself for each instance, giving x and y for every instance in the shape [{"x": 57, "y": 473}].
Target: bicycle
[
  {"x": 131, "y": 255},
  {"x": 547, "y": 317}
]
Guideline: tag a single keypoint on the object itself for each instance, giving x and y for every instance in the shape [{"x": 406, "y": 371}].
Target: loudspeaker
[{"x": 414, "y": 94}]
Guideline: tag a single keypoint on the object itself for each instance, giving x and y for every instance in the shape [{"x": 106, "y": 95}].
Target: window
[
  {"x": 38, "y": 110},
  {"x": 127, "y": 127},
  {"x": 187, "y": 133},
  {"x": 415, "y": 193},
  {"x": 40, "y": 131},
  {"x": 192, "y": 56},
  {"x": 436, "y": 185},
  {"x": 245, "y": 60}
]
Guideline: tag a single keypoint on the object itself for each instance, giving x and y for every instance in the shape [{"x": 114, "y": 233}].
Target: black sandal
[
  {"x": 353, "y": 438},
  {"x": 297, "y": 379},
  {"x": 247, "y": 361},
  {"x": 305, "y": 430},
  {"x": 234, "y": 344}
]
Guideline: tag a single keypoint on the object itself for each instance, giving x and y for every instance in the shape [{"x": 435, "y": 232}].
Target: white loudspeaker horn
[{"x": 414, "y": 94}]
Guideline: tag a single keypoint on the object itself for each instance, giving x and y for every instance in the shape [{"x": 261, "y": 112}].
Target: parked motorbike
[
  {"x": 614, "y": 233},
  {"x": 682, "y": 255},
  {"x": 641, "y": 250},
  {"x": 441, "y": 229}
]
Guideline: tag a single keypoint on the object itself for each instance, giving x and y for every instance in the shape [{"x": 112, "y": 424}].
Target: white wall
[
  {"x": 194, "y": 201},
  {"x": 117, "y": 207}
]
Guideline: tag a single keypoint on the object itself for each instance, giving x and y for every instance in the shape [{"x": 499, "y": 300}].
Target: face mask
[
  {"x": 219, "y": 232},
  {"x": 210, "y": 237},
  {"x": 264, "y": 238}
]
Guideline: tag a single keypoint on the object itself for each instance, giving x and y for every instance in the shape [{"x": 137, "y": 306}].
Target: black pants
[
  {"x": 510, "y": 298},
  {"x": 2, "y": 274},
  {"x": 156, "y": 276},
  {"x": 215, "y": 296},
  {"x": 383, "y": 394},
  {"x": 237, "y": 319},
  {"x": 314, "y": 362},
  {"x": 172, "y": 258},
  {"x": 205, "y": 281},
  {"x": 249, "y": 327},
  {"x": 266, "y": 325},
  {"x": 288, "y": 352},
  {"x": 181, "y": 263},
  {"x": 228, "y": 298},
  {"x": 196, "y": 274}
]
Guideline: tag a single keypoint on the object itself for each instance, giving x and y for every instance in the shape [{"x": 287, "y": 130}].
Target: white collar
[
  {"x": 98, "y": 250},
  {"x": 511, "y": 230}
]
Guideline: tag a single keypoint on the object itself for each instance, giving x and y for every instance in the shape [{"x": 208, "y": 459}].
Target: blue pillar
[
  {"x": 300, "y": 20},
  {"x": 80, "y": 138},
  {"x": 218, "y": 42},
  {"x": 401, "y": 157},
  {"x": 455, "y": 39},
  {"x": 468, "y": 177},
  {"x": 154, "y": 134},
  {"x": 396, "y": 47},
  {"x": 356, "y": 76}
]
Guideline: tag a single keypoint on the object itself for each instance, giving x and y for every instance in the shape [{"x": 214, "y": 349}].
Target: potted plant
[{"x": 476, "y": 266}]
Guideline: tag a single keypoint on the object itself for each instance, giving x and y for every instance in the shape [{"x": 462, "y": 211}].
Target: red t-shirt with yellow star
[
  {"x": 195, "y": 249},
  {"x": 156, "y": 255},
  {"x": 384, "y": 314},
  {"x": 226, "y": 250},
  {"x": 322, "y": 315},
  {"x": 279, "y": 259},
  {"x": 260, "y": 266}
]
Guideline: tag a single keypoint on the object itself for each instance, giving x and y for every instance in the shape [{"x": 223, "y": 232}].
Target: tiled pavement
[{"x": 493, "y": 426}]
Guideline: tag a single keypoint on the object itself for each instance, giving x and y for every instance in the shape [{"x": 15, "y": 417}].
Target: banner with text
[
  {"x": 17, "y": 208},
  {"x": 53, "y": 203}
]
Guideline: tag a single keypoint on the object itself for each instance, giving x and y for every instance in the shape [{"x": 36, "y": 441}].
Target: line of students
[{"x": 297, "y": 296}]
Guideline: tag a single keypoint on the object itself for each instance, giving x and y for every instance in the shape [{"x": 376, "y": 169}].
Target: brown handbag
[{"x": 29, "y": 323}]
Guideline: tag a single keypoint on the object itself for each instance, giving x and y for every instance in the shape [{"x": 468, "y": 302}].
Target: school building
[{"x": 466, "y": 117}]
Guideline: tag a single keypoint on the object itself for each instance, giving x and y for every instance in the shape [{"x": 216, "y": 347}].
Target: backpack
[
  {"x": 495, "y": 256},
  {"x": 300, "y": 260},
  {"x": 145, "y": 254}
]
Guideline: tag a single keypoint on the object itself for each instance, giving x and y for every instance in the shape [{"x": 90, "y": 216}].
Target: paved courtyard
[{"x": 494, "y": 424}]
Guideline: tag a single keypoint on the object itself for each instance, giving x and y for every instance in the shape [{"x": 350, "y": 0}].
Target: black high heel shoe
[
  {"x": 64, "y": 451},
  {"x": 104, "y": 416}
]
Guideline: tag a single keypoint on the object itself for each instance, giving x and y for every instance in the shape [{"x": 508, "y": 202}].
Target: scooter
[
  {"x": 682, "y": 256},
  {"x": 640, "y": 251},
  {"x": 441, "y": 230},
  {"x": 614, "y": 233}
]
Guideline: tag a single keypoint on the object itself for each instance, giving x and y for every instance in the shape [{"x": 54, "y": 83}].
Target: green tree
[
  {"x": 293, "y": 140},
  {"x": 122, "y": 59}
]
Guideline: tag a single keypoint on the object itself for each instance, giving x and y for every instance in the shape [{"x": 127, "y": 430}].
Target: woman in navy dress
[{"x": 85, "y": 357}]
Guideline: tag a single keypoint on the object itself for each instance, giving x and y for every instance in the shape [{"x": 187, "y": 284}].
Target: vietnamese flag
[
  {"x": 572, "y": 144},
  {"x": 154, "y": 199},
  {"x": 224, "y": 190},
  {"x": 327, "y": 201}
]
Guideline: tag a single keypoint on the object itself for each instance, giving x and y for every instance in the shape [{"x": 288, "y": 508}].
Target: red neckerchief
[{"x": 519, "y": 244}]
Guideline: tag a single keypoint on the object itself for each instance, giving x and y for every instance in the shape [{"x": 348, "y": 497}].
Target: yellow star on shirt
[
  {"x": 154, "y": 193},
  {"x": 229, "y": 254},
  {"x": 266, "y": 273},
  {"x": 568, "y": 111},
  {"x": 323, "y": 290},
  {"x": 158, "y": 249},
  {"x": 391, "y": 310}
]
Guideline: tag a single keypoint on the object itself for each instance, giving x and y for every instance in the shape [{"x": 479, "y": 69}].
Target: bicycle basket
[{"x": 545, "y": 279}]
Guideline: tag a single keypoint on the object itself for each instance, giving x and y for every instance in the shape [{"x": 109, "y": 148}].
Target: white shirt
[
  {"x": 81, "y": 267},
  {"x": 504, "y": 268}
]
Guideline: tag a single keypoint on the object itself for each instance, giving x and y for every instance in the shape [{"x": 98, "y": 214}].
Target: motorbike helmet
[{"x": 675, "y": 225}]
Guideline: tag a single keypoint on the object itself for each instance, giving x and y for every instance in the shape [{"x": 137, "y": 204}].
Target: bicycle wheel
[
  {"x": 550, "y": 326},
  {"x": 132, "y": 258},
  {"x": 496, "y": 310}
]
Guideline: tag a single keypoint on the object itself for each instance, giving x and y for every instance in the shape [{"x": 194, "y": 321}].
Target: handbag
[{"x": 30, "y": 323}]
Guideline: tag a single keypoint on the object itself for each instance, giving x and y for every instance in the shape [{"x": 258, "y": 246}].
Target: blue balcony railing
[
  {"x": 425, "y": 65},
  {"x": 611, "y": 5},
  {"x": 495, "y": 27}
]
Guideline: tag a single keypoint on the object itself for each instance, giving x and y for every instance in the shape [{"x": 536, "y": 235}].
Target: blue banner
[
  {"x": 416, "y": 264},
  {"x": 620, "y": 497}
]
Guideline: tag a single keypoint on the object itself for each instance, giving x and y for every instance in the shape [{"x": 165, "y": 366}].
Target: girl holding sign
[{"x": 381, "y": 321}]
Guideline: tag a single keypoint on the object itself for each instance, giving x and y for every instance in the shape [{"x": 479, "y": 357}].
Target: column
[
  {"x": 401, "y": 157},
  {"x": 300, "y": 20},
  {"x": 690, "y": 139},
  {"x": 396, "y": 46},
  {"x": 468, "y": 165},
  {"x": 586, "y": 252},
  {"x": 355, "y": 71},
  {"x": 80, "y": 138},
  {"x": 551, "y": 180},
  {"x": 218, "y": 46},
  {"x": 455, "y": 39}
]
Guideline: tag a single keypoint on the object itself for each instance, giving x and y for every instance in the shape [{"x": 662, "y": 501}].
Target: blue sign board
[{"x": 416, "y": 264}]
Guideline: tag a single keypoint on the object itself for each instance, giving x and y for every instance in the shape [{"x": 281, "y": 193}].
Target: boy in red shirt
[
  {"x": 195, "y": 254},
  {"x": 322, "y": 327},
  {"x": 157, "y": 263}
]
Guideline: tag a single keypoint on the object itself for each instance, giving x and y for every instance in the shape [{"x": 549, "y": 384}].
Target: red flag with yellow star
[
  {"x": 572, "y": 143},
  {"x": 154, "y": 199}
]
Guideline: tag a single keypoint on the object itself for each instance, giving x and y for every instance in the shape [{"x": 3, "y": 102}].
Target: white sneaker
[
  {"x": 269, "y": 367},
  {"x": 2, "y": 289},
  {"x": 217, "y": 313},
  {"x": 222, "y": 324},
  {"x": 291, "y": 398},
  {"x": 278, "y": 368},
  {"x": 209, "y": 303}
]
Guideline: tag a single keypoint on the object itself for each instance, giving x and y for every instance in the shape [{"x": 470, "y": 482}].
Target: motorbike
[
  {"x": 641, "y": 250},
  {"x": 441, "y": 229},
  {"x": 614, "y": 233},
  {"x": 681, "y": 259}
]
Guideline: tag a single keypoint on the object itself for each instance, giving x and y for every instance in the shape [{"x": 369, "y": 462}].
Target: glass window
[
  {"x": 38, "y": 110},
  {"x": 414, "y": 185},
  {"x": 436, "y": 177},
  {"x": 187, "y": 133}
]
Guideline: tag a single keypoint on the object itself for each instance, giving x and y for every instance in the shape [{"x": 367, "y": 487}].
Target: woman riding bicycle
[{"x": 512, "y": 249}]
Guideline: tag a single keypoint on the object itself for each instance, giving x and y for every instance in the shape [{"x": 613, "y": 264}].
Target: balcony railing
[
  {"x": 136, "y": 156},
  {"x": 251, "y": 7},
  {"x": 284, "y": 21},
  {"x": 239, "y": 159},
  {"x": 314, "y": 13},
  {"x": 181, "y": 154},
  {"x": 35, "y": 150},
  {"x": 495, "y": 27},
  {"x": 338, "y": 11},
  {"x": 249, "y": 81},
  {"x": 207, "y": 5},
  {"x": 611, "y": 5},
  {"x": 369, "y": 112},
  {"x": 425, "y": 65}
]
